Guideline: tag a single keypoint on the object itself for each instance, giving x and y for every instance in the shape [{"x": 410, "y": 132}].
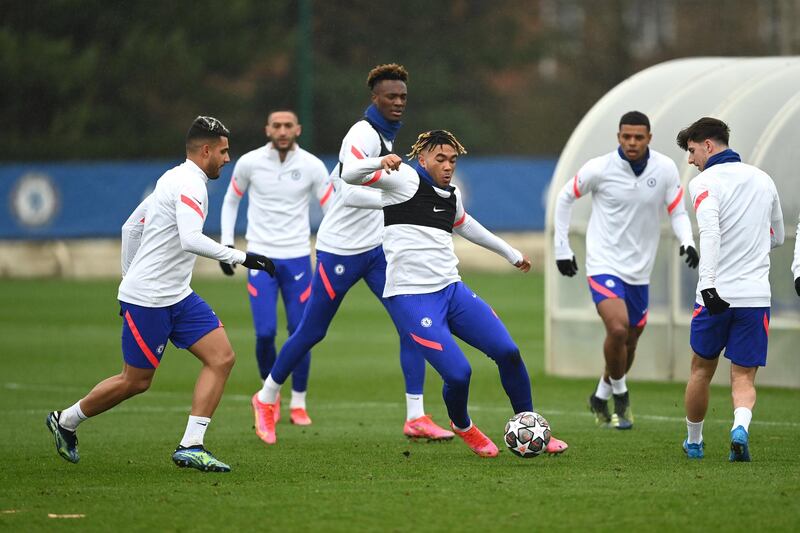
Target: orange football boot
[
  {"x": 265, "y": 420},
  {"x": 477, "y": 441},
  {"x": 425, "y": 428},
  {"x": 299, "y": 417}
]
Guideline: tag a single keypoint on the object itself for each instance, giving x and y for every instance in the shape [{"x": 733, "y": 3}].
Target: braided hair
[
  {"x": 434, "y": 138},
  {"x": 390, "y": 71}
]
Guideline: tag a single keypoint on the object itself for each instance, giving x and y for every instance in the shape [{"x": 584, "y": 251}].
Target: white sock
[
  {"x": 195, "y": 431},
  {"x": 414, "y": 406},
  {"x": 603, "y": 389},
  {"x": 71, "y": 417},
  {"x": 298, "y": 400},
  {"x": 742, "y": 417},
  {"x": 618, "y": 386},
  {"x": 695, "y": 430},
  {"x": 269, "y": 392},
  {"x": 464, "y": 430}
]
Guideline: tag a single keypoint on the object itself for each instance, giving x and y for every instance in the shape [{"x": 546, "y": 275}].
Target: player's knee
[
  {"x": 508, "y": 354},
  {"x": 226, "y": 359},
  {"x": 137, "y": 385},
  {"x": 459, "y": 378},
  {"x": 618, "y": 332},
  {"x": 314, "y": 334}
]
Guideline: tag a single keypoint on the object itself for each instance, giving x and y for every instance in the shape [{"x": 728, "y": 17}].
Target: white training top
[
  {"x": 169, "y": 224},
  {"x": 625, "y": 224},
  {"x": 278, "y": 193},
  {"x": 348, "y": 230},
  {"x": 420, "y": 259},
  {"x": 740, "y": 219},
  {"x": 796, "y": 262}
]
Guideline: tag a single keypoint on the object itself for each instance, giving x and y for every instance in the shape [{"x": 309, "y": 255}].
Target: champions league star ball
[{"x": 527, "y": 434}]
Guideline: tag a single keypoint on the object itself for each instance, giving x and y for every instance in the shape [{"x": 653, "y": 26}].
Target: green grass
[{"x": 353, "y": 469}]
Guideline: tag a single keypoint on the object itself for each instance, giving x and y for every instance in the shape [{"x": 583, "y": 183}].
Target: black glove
[
  {"x": 227, "y": 268},
  {"x": 797, "y": 286},
  {"x": 259, "y": 262},
  {"x": 714, "y": 303},
  {"x": 567, "y": 267},
  {"x": 692, "y": 259}
]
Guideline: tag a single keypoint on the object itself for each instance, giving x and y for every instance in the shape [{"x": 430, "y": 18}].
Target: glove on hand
[
  {"x": 260, "y": 262},
  {"x": 227, "y": 268},
  {"x": 714, "y": 303},
  {"x": 567, "y": 267},
  {"x": 692, "y": 259}
]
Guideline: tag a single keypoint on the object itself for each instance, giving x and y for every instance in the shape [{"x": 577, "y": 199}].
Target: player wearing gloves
[
  {"x": 631, "y": 188},
  {"x": 160, "y": 242},
  {"x": 740, "y": 219},
  {"x": 280, "y": 180},
  {"x": 426, "y": 297}
]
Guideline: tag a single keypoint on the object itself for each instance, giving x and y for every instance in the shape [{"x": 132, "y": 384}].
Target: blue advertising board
[{"x": 63, "y": 200}]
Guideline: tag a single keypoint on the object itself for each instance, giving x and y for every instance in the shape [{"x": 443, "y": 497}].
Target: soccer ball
[{"x": 527, "y": 434}]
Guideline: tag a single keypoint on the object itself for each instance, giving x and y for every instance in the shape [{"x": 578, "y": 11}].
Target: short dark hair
[
  {"x": 390, "y": 71},
  {"x": 205, "y": 129},
  {"x": 634, "y": 118},
  {"x": 283, "y": 110},
  {"x": 705, "y": 128}
]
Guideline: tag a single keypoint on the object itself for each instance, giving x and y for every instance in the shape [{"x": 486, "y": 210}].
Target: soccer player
[
  {"x": 348, "y": 250},
  {"x": 427, "y": 299},
  {"x": 161, "y": 241},
  {"x": 739, "y": 217},
  {"x": 279, "y": 179},
  {"x": 631, "y": 189},
  {"x": 796, "y": 262}
]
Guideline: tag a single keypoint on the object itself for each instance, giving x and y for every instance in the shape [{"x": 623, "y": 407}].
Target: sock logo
[{"x": 202, "y": 423}]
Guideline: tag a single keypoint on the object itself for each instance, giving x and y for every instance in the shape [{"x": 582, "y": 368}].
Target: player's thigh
[
  {"x": 336, "y": 274},
  {"x": 295, "y": 288},
  {"x": 213, "y": 349},
  {"x": 375, "y": 274},
  {"x": 262, "y": 290},
  {"x": 748, "y": 337},
  {"x": 475, "y": 322},
  {"x": 196, "y": 327},
  {"x": 637, "y": 300},
  {"x": 708, "y": 334},
  {"x": 608, "y": 294},
  {"x": 145, "y": 331}
]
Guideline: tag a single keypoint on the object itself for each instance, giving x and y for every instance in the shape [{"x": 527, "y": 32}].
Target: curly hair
[
  {"x": 434, "y": 138},
  {"x": 390, "y": 71}
]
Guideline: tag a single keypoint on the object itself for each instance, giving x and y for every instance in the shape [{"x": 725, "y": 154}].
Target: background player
[
  {"x": 796, "y": 262},
  {"x": 349, "y": 249},
  {"x": 739, "y": 217},
  {"x": 279, "y": 179},
  {"x": 631, "y": 188},
  {"x": 427, "y": 299},
  {"x": 162, "y": 239}
]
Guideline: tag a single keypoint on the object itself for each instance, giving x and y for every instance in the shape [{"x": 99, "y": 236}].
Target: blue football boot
[
  {"x": 198, "y": 457},
  {"x": 694, "y": 450},
  {"x": 740, "y": 450},
  {"x": 66, "y": 441}
]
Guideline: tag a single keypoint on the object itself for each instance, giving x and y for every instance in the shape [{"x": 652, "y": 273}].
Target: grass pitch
[{"x": 353, "y": 470}]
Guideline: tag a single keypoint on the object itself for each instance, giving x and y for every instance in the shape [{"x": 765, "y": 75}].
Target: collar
[
  {"x": 636, "y": 166},
  {"x": 388, "y": 128},
  {"x": 272, "y": 152},
  {"x": 725, "y": 156},
  {"x": 191, "y": 165}
]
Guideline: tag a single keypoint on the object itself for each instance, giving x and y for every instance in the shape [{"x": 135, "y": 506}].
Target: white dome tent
[{"x": 759, "y": 98}]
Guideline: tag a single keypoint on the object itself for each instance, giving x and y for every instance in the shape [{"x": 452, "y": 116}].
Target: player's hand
[
  {"x": 259, "y": 262},
  {"x": 391, "y": 162},
  {"x": 567, "y": 267},
  {"x": 524, "y": 264},
  {"x": 692, "y": 259},
  {"x": 227, "y": 268},
  {"x": 797, "y": 286},
  {"x": 714, "y": 303}
]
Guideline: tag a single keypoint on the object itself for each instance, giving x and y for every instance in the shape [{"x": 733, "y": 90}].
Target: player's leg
[
  {"x": 423, "y": 318},
  {"x": 475, "y": 322},
  {"x": 295, "y": 291},
  {"x": 747, "y": 350},
  {"x": 263, "y": 295},
  {"x": 198, "y": 329},
  {"x": 144, "y": 335},
  {"x": 418, "y": 424},
  {"x": 334, "y": 276},
  {"x": 608, "y": 293},
  {"x": 708, "y": 336}
]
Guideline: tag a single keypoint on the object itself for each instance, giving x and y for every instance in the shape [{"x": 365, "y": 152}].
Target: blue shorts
[
  {"x": 145, "y": 330},
  {"x": 636, "y": 297},
  {"x": 741, "y": 331}
]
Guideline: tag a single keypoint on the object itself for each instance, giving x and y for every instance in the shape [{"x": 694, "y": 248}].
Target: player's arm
[
  {"x": 322, "y": 183},
  {"x": 472, "y": 230},
  {"x": 706, "y": 207},
  {"x": 777, "y": 233},
  {"x": 679, "y": 219},
  {"x": 132, "y": 234},
  {"x": 384, "y": 173},
  {"x": 190, "y": 219},
  {"x": 361, "y": 197},
  {"x": 796, "y": 262},
  {"x": 240, "y": 181},
  {"x": 577, "y": 187}
]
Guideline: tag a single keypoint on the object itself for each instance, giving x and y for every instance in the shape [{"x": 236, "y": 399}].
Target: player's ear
[{"x": 299, "y": 129}]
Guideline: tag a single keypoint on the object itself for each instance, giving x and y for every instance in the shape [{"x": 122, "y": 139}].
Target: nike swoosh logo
[
  {"x": 437, "y": 210},
  {"x": 298, "y": 276},
  {"x": 203, "y": 423},
  {"x": 196, "y": 200}
]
